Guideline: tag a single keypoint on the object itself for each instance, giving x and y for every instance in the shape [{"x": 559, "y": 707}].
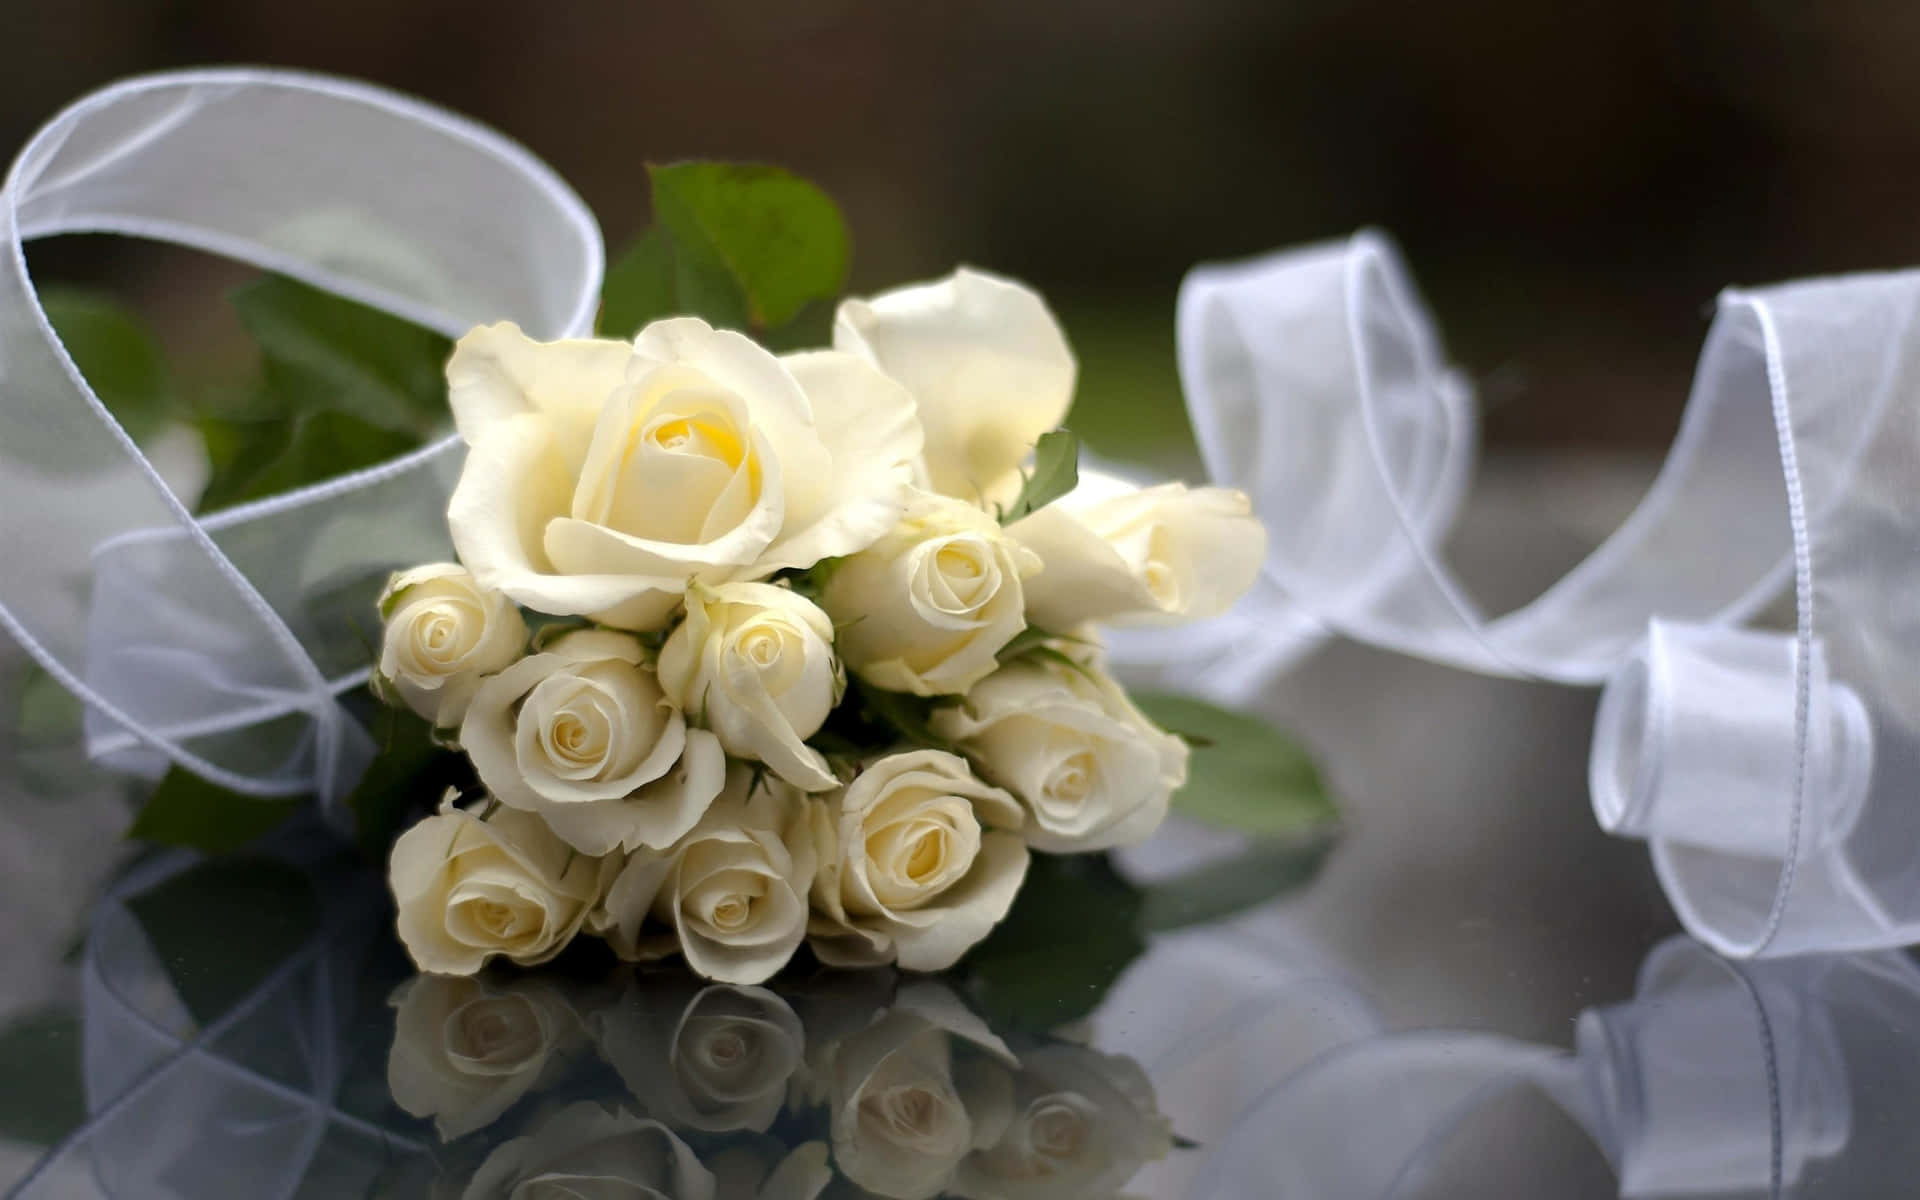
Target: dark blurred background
[{"x": 1571, "y": 182}]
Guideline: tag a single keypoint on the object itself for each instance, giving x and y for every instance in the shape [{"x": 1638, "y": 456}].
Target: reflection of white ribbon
[
  {"x": 1316, "y": 383},
  {"x": 1716, "y": 1079},
  {"x": 111, "y": 584}
]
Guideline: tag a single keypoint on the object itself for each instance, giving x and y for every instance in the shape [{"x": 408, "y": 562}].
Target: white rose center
[
  {"x": 493, "y": 915},
  {"x": 915, "y": 1115},
  {"x": 1072, "y": 779},
  {"x": 726, "y": 902},
  {"x": 670, "y": 464},
  {"x": 961, "y": 575},
  {"x": 915, "y": 851},
  {"x": 442, "y": 632}
]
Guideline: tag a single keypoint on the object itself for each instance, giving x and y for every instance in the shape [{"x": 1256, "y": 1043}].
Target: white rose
[
  {"x": 1090, "y": 769},
  {"x": 464, "y": 1050},
  {"x": 716, "y": 1061},
  {"x": 987, "y": 366},
  {"x": 443, "y": 632},
  {"x": 1085, "y": 1124},
  {"x": 601, "y": 478},
  {"x": 755, "y": 663},
  {"x": 469, "y": 889},
  {"x": 928, "y": 607},
  {"x": 1115, "y": 552},
  {"x": 584, "y": 1150},
  {"x": 582, "y": 734},
  {"x": 764, "y": 1169},
  {"x": 730, "y": 894},
  {"x": 902, "y": 1112},
  {"x": 913, "y": 867}
]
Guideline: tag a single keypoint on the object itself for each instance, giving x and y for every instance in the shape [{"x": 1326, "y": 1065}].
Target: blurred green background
[{"x": 1571, "y": 182}]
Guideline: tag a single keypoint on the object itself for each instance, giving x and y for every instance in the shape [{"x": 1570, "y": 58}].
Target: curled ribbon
[
  {"x": 1772, "y": 771},
  {"x": 213, "y": 642}
]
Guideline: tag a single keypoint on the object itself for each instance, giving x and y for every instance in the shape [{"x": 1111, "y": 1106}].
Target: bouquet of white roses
[{"x": 751, "y": 649}]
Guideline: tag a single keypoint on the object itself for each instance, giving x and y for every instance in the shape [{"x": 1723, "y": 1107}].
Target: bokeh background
[{"x": 1571, "y": 183}]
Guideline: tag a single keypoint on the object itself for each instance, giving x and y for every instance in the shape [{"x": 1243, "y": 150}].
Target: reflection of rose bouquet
[
  {"x": 706, "y": 538},
  {"x": 739, "y": 1091}
]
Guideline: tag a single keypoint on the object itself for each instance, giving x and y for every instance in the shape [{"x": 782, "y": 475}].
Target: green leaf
[
  {"x": 1072, "y": 930},
  {"x": 42, "y": 1097},
  {"x": 221, "y": 926},
  {"x": 1215, "y": 890},
  {"x": 904, "y": 714},
  {"x": 325, "y": 352},
  {"x": 754, "y": 241},
  {"x": 411, "y": 771},
  {"x": 640, "y": 286},
  {"x": 118, "y": 356},
  {"x": 254, "y": 459},
  {"x": 1245, "y": 775},
  {"x": 1056, "y": 471},
  {"x": 186, "y": 810},
  {"x": 45, "y": 710},
  {"x": 1033, "y": 637}
]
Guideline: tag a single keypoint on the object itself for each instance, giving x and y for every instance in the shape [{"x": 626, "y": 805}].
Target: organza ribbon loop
[
  {"x": 1772, "y": 772},
  {"x": 222, "y": 644}
]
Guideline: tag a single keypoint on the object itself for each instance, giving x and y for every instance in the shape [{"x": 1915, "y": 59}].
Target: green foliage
[
  {"x": 223, "y": 925},
  {"x": 640, "y": 286},
  {"x": 905, "y": 716},
  {"x": 1215, "y": 890},
  {"x": 1056, "y": 471},
  {"x": 325, "y": 352},
  {"x": 1072, "y": 930},
  {"x": 743, "y": 245},
  {"x": 186, "y": 810},
  {"x": 1244, "y": 774},
  {"x": 42, "y": 1096},
  {"x": 118, "y": 357},
  {"x": 341, "y": 387},
  {"x": 411, "y": 772}
]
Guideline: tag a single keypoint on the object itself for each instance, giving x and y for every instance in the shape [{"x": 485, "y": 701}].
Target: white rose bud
[
  {"x": 469, "y": 890},
  {"x": 582, "y": 734},
  {"x": 715, "y": 1060},
  {"x": 465, "y": 1050},
  {"x": 731, "y": 894},
  {"x": 444, "y": 632},
  {"x": 1115, "y": 552},
  {"x": 987, "y": 365},
  {"x": 913, "y": 866},
  {"x": 601, "y": 478},
  {"x": 902, "y": 1112},
  {"x": 928, "y": 607},
  {"x": 587, "y": 1150},
  {"x": 1086, "y": 1123},
  {"x": 755, "y": 664},
  {"x": 1090, "y": 769}
]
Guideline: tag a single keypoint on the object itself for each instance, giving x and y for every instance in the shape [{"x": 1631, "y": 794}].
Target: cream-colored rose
[
  {"x": 914, "y": 866},
  {"x": 1116, "y": 552},
  {"x": 465, "y": 1049},
  {"x": 928, "y": 607},
  {"x": 754, "y": 663},
  {"x": 1085, "y": 1124},
  {"x": 716, "y": 1059},
  {"x": 987, "y": 365},
  {"x": 903, "y": 1109},
  {"x": 470, "y": 889},
  {"x": 582, "y": 734},
  {"x": 601, "y": 477},
  {"x": 764, "y": 1169},
  {"x": 443, "y": 632},
  {"x": 1091, "y": 771},
  {"x": 731, "y": 894},
  {"x": 585, "y": 1150}
]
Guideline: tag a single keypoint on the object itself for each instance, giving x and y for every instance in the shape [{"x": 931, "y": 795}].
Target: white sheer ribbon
[
  {"x": 223, "y": 644},
  {"x": 1773, "y": 772}
]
